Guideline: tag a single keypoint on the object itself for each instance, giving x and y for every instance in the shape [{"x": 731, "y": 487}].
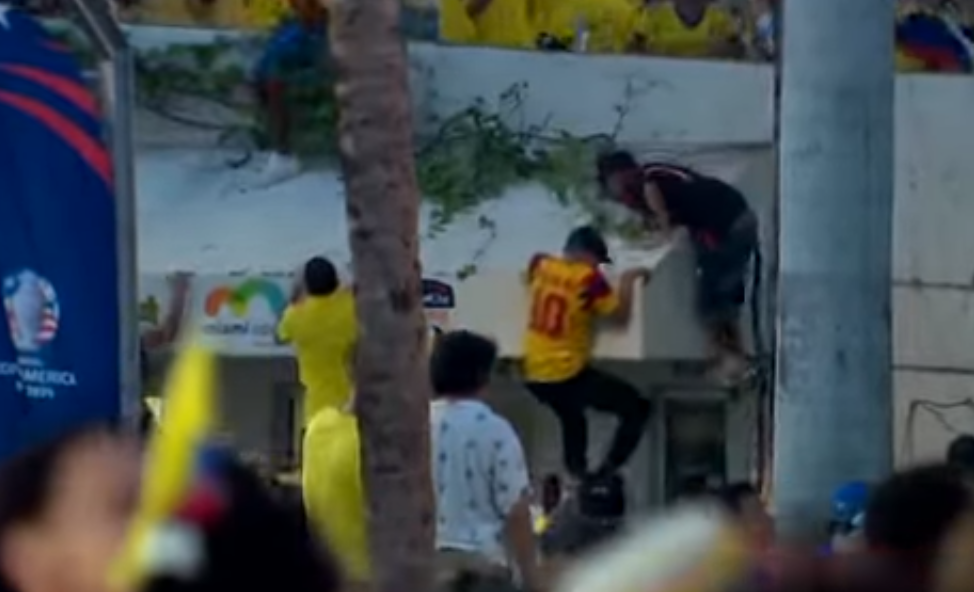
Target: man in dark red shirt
[{"x": 724, "y": 230}]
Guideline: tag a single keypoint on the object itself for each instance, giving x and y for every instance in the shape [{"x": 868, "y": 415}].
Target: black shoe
[{"x": 603, "y": 496}]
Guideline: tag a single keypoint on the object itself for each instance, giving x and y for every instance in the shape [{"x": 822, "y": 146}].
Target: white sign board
[{"x": 237, "y": 315}]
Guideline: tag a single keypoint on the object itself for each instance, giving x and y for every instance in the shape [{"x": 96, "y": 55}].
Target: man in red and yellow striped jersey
[{"x": 568, "y": 294}]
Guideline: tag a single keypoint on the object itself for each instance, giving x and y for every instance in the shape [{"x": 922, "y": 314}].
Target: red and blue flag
[{"x": 930, "y": 40}]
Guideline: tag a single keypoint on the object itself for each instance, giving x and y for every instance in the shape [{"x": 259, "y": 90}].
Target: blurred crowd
[
  {"x": 931, "y": 35},
  {"x": 68, "y": 507},
  {"x": 207, "y": 519}
]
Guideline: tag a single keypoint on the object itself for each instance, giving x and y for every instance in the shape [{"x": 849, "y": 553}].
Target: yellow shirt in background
[
  {"x": 666, "y": 34},
  {"x": 907, "y": 63},
  {"x": 611, "y": 23},
  {"x": 503, "y": 23},
  {"x": 455, "y": 25},
  {"x": 322, "y": 330},
  {"x": 332, "y": 487}
]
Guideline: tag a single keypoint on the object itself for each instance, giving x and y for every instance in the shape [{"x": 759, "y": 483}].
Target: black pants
[
  {"x": 723, "y": 270},
  {"x": 597, "y": 390}
]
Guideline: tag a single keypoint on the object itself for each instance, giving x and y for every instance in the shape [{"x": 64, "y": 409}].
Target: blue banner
[{"x": 59, "y": 346}]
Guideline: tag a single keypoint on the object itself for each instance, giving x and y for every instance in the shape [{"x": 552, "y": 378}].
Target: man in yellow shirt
[
  {"x": 495, "y": 23},
  {"x": 320, "y": 324},
  {"x": 332, "y": 486},
  {"x": 690, "y": 29}
]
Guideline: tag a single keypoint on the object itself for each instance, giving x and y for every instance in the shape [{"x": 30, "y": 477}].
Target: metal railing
[{"x": 117, "y": 87}]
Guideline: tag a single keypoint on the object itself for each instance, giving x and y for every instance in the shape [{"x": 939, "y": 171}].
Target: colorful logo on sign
[
  {"x": 243, "y": 316},
  {"x": 238, "y": 299},
  {"x": 32, "y": 310}
]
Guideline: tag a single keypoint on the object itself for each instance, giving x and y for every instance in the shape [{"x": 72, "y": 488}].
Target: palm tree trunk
[{"x": 376, "y": 147}]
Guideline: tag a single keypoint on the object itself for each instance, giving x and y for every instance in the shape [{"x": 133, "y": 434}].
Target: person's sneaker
[
  {"x": 278, "y": 168},
  {"x": 603, "y": 495},
  {"x": 266, "y": 170}
]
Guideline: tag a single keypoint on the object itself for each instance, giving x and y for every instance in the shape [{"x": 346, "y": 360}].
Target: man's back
[
  {"x": 479, "y": 473},
  {"x": 565, "y": 297},
  {"x": 698, "y": 201},
  {"x": 322, "y": 330},
  {"x": 332, "y": 486}
]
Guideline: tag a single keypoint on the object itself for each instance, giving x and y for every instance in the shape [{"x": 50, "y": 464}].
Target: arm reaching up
[
  {"x": 616, "y": 307},
  {"x": 168, "y": 330}
]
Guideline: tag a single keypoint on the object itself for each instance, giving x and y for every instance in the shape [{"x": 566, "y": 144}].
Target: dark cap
[
  {"x": 588, "y": 239},
  {"x": 614, "y": 162}
]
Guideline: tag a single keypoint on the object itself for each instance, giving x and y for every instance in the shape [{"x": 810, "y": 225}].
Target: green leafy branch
[
  {"x": 476, "y": 154},
  {"x": 463, "y": 160}
]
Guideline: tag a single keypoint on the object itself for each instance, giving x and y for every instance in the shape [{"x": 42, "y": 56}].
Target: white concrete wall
[
  {"x": 933, "y": 290},
  {"x": 665, "y": 101}
]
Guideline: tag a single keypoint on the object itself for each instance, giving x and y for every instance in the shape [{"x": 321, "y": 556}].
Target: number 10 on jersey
[{"x": 549, "y": 314}]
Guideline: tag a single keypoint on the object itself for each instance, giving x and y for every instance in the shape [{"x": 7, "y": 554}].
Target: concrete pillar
[{"x": 833, "y": 400}]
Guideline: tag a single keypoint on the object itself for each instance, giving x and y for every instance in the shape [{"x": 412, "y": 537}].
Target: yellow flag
[{"x": 189, "y": 420}]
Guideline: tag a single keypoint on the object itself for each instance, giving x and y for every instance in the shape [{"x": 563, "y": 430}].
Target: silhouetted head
[
  {"x": 320, "y": 277},
  {"x": 251, "y": 540},
  {"x": 619, "y": 175},
  {"x": 586, "y": 243},
  {"x": 909, "y": 515},
  {"x": 461, "y": 364},
  {"x": 65, "y": 507}
]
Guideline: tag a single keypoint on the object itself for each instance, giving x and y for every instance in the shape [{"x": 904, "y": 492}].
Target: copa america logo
[{"x": 32, "y": 310}]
